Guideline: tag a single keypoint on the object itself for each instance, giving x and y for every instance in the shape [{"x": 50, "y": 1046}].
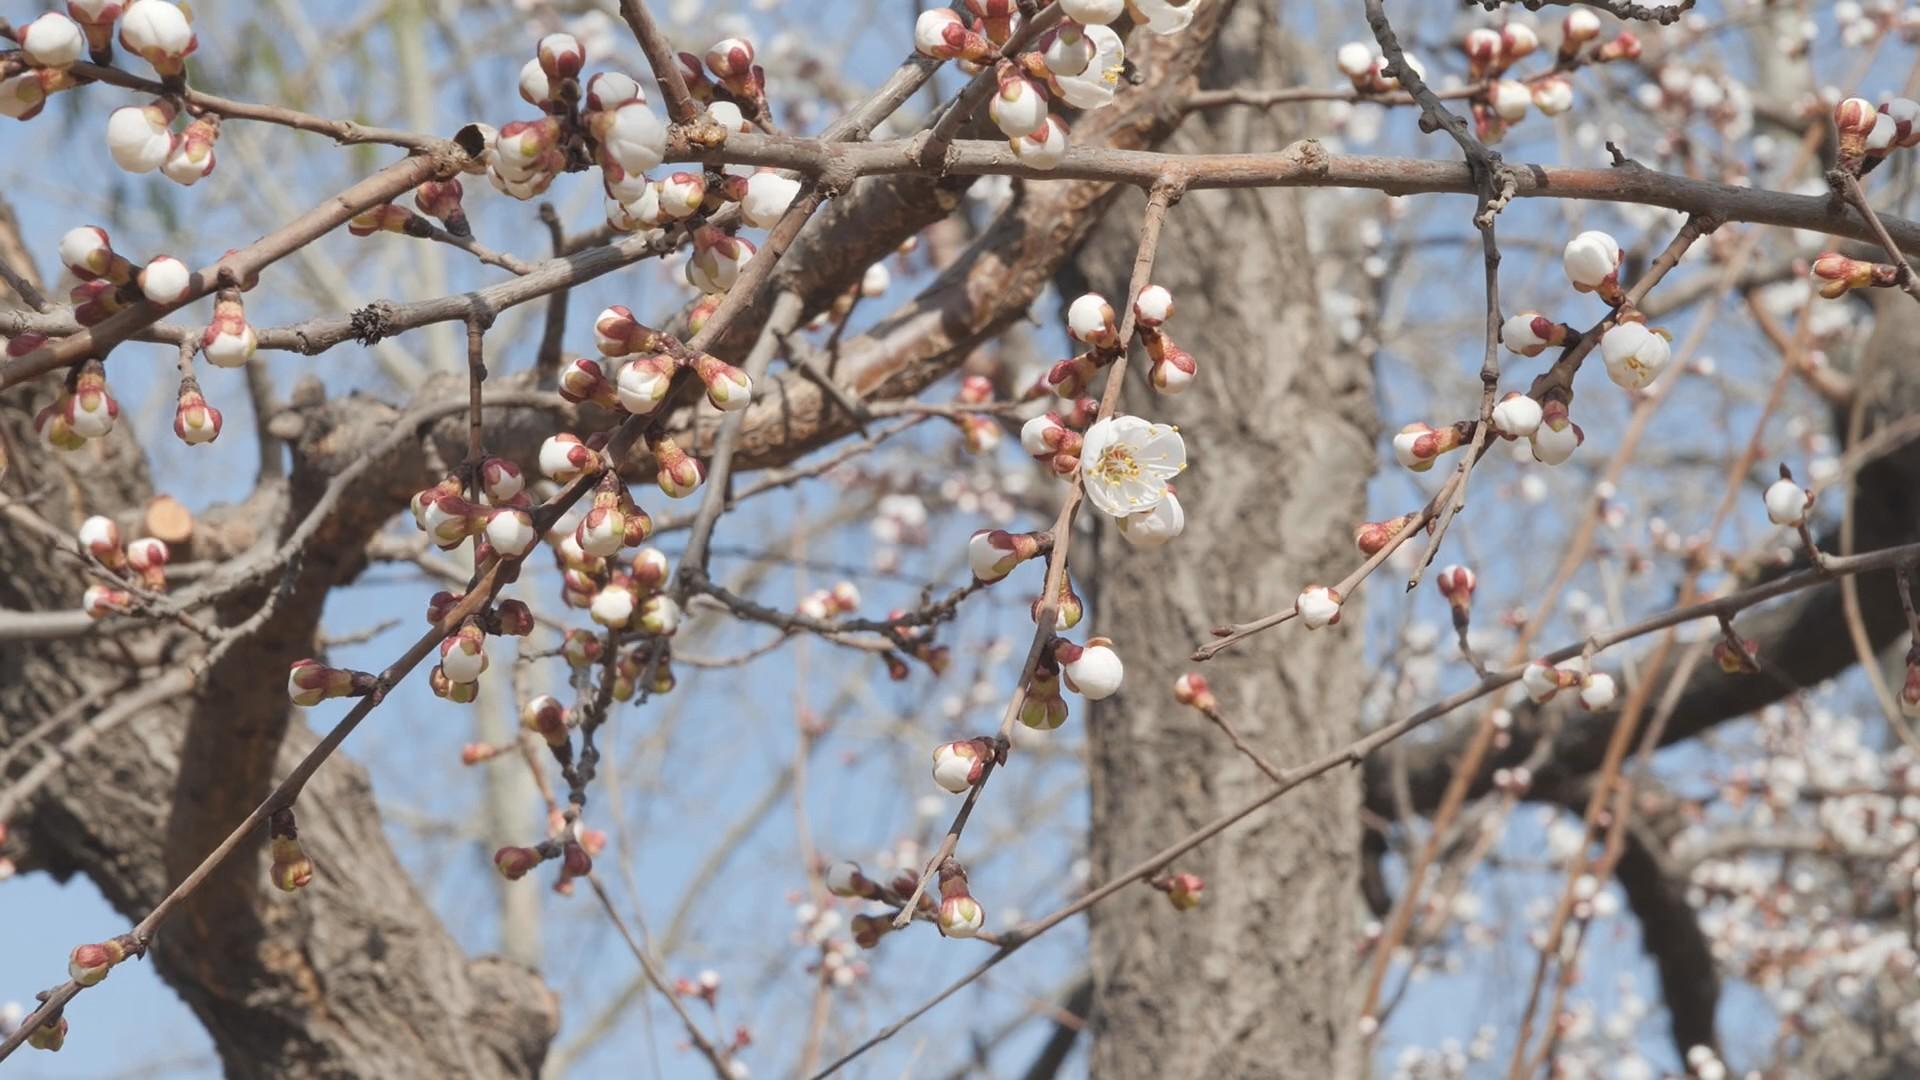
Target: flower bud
[
  {"x": 728, "y": 388},
  {"x": 51, "y": 1035},
  {"x": 1173, "y": 367},
  {"x": 290, "y": 868},
  {"x": 139, "y": 136},
  {"x": 650, "y": 568},
  {"x": 1855, "y": 118},
  {"x": 1191, "y": 690},
  {"x": 581, "y": 648},
  {"x": 1045, "y": 147},
  {"x": 192, "y": 156},
  {"x": 867, "y": 930},
  {"x": 1517, "y": 416},
  {"x": 89, "y": 254},
  {"x": 387, "y": 217},
  {"x": 165, "y": 280},
  {"x": 1318, "y": 606},
  {"x": 147, "y": 557},
  {"x": 1542, "y": 681},
  {"x": 844, "y": 879},
  {"x": 1069, "y": 378},
  {"x": 89, "y": 964},
  {"x": 547, "y": 718},
  {"x": 1579, "y": 27},
  {"x": 463, "y": 654},
  {"x": 1154, "y": 528},
  {"x": 1530, "y": 333},
  {"x": 958, "y": 766},
  {"x": 731, "y": 60},
  {"x": 717, "y": 260},
  {"x": 1093, "y": 671},
  {"x": 1043, "y": 709},
  {"x": 1093, "y": 12},
  {"x": 90, "y": 410},
  {"x": 1624, "y": 47},
  {"x": 1553, "y": 95},
  {"x": 679, "y": 475},
  {"x": 631, "y": 137},
  {"x": 1372, "y": 536},
  {"x": 1183, "y": 891},
  {"x": 1418, "y": 445},
  {"x": 1153, "y": 307},
  {"x": 1482, "y": 47},
  {"x": 1091, "y": 321},
  {"x": 768, "y": 196},
  {"x": 1634, "y": 355},
  {"x": 1592, "y": 262},
  {"x": 659, "y": 616},
  {"x": 510, "y": 532},
  {"x": 100, "y": 537},
  {"x": 23, "y": 95},
  {"x": 514, "y": 863},
  {"x": 961, "y": 916},
  {"x": 564, "y": 458},
  {"x": 459, "y": 693},
  {"x": 1737, "y": 661},
  {"x": 309, "y": 682},
  {"x": 613, "y": 607},
  {"x": 1596, "y": 691},
  {"x": 195, "y": 421},
  {"x": 228, "y": 340},
  {"x": 1355, "y": 61},
  {"x": 561, "y": 56},
  {"x": 617, "y": 333},
  {"x": 52, "y": 41},
  {"x": 1509, "y": 98},
  {"x": 941, "y": 34},
  {"x": 100, "y": 601},
  {"x": 159, "y": 33},
  {"x": 681, "y": 194},
  {"x": 1018, "y": 106},
  {"x": 1787, "y": 502},
  {"x": 1456, "y": 584},
  {"x": 993, "y": 553},
  {"x": 1557, "y": 436}
]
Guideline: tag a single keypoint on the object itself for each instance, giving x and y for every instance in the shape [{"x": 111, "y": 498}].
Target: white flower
[
  {"x": 1126, "y": 462},
  {"x": 1153, "y": 306},
  {"x": 1164, "y": 16},
  {"x": 1318, "y": 606},
  {"x": 165, "y": 279},
  {"x": 1517, "y": 415},
  {"x": 876, "y": 281},
  {"x": 1786, "y": 503},
  {"x": 1045, "y": 147},
  {"x": 52, "y": 40},
  {"x": 1510, "y": 99},
  {"x": 612, "y": 606},
  {"x": 1093, "y": 12},
  {"x": 1018, "y": 107},
  {"x": 1589, "y": 258},
  {"x": 1596, "y": 691},
  {"x": 511, "y": 532},
  {"x": 1095, "y": 673},
  {"x": 768, "y": 196},
  {"x": 1355, "y": 59},
  {"x": 1634, "y": 354},
  {"x": 953, "y": 765},
  {"x": 1096, "y": 85},
  {"x": 1553, "y": 96},
  {"x": 635, "y": 139}
]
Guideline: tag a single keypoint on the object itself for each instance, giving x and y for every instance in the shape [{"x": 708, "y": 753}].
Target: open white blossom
[
  {"x": 1163, "y": 16},
  {"x": 1126, "y": 462},
  {"x": 1096, "y": 85},
  {"x": 1093, "y": 12}
]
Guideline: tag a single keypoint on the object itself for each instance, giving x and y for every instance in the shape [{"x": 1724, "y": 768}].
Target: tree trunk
[{"x": 1255, "y": 982}]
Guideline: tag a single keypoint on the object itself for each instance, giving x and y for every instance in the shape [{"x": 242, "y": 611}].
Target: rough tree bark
[{"x": 1255, "y": 981}]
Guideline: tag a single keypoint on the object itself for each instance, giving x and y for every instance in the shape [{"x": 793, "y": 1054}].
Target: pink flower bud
[
  {"x": 717, "y": 260},
  {"x": 309, "y": 682},
  {"x": 459, "y": 693},
  {"x": 1579, "y": 27},
  {"x": 88, "y": 964},
  {"x": 1596, "y": 691},
  {"x": 730, "y": 59},
  {"x": 1018, "y": 106},
  {"x": 1624, "y": 47},
  {"x": 386, "y": 217},
  {"x": 99, "y": 601},
  {"x": 1184, "y": 890},
  {"x": 1542, "y": 681},
  {"x": 1153, "y": 307},
  {"x": 89, "y": 254},
  {"x": 1482, "y": 47},
  {"x": 51, "y": 1035},
  {"x": 584, "y": 381},
  {"x": 1592, "y": 261},
  {"x": 1191, "y": 690},
  {"x": 100, "y": 537},
  {"x": 961, "y": 916},
  {"x": 1173, "y": 367},
  {"x": 147, "y": 557},
  {"x": 659, "y": 615},
  {"x": 1456, "y": 584},
  {"x": 510, "y": 532},
  {"x": 581, "y": 648},
  {"x": 561, "y": 56},
  {"x": 22, "y": 96},
  {"x": 1557, "y": 437},
  {"x": 682, "y": 193},
  {"x": 290, "y": 868}
]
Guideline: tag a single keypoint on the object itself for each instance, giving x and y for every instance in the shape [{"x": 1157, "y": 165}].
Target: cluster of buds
[
  {"x": 84, "y": 412},
  {"x": 822, "y": 604},
  {"x": 629, "y": 598},
  {"x": 290, "y": 868},
  {"x": 142, "y": 139},
  {"x": 1056, "y": 438},
  {"x": 1868, "y": 134},
  {"x": 960, "y": 916},
  {"x": 49, "y": 46},
  {"x": 980, "y": 431},
  {"x": 1543, "y": 681},
  {"x": 1092, "y": 322},
  {"x": 1183, "y": 890},
  {"x": 309, "y": 682},
  {"x": 643, "y": 381},
  {"x": 735, "y": 78},
  {"x": 1836, "y": 275},
  {"x": 702, "y": 987},
  {"x": 503, "y": 523},
  {"x": 1363, "y": 66},
  {"x": 614, "y": 521},
  {"x": 960, "y": 765},
  {"x": 89, "y": 964}
]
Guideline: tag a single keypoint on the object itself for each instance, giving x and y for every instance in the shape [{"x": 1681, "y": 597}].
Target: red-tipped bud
[
  {"x": 514, "y": 863},
  {"x": 1191, "y": 690}
]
